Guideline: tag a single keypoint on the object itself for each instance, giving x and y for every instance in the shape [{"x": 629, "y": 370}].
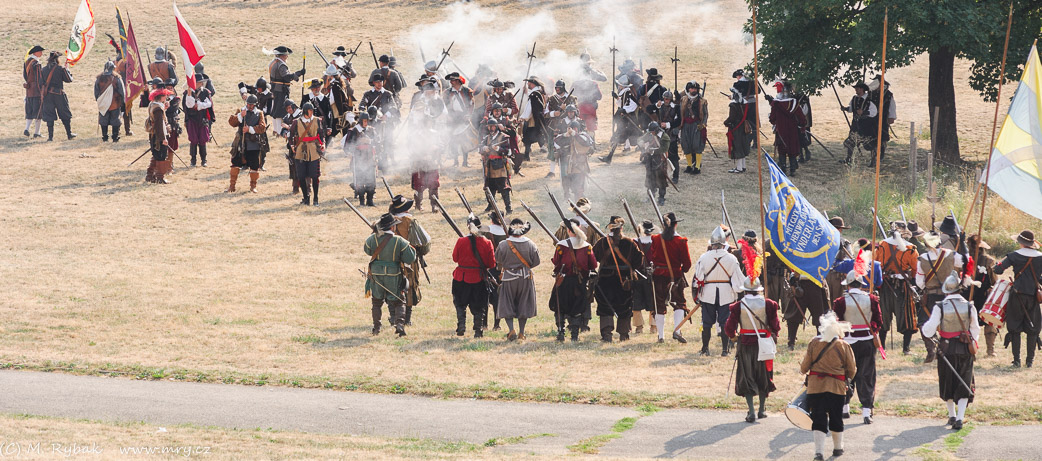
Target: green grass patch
[
  {"x": 648, "y": 409},
  {"x": 309, "y": 339},
  {"x": 953, "y": 441},
  {"x": 502, "y": 441},
  {"x": 592, "y": 445}
]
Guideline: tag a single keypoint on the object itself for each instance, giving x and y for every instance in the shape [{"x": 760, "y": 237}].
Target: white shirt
[
  {"x": 930, "y": 327},
  {"x": 722, "y": 282},
  {"x": 192, "y": 103}
]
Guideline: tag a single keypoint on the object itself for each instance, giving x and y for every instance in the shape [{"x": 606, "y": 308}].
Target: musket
[
  {"x": 304, "y": 67},
  {"x": 614, "y": 85},
  {"x": 665, "y": 174},
  {"x": 902, "y": 208},
  {"x": 878, "y": 222},
  {"x": 539, "y": 222},
  {"x": 654, "y": 204},
  {"x": 422, "y": 56},
  {"x": 840, "y": 101},
  {"x": 178, "y": 156},
  {"x": 448, "y": 218},
  {"x": 589, "y": 222},
  {"x": 373, "y": 51},
  {"x": 321, "y": 54},
  {"x": 727, "y": 218},
  {"x": 940, "y": 353},
  {"x": 354, "y": 52},
  {"x": 633, "y": 222},
  {"x": 445, "y": 54},
  {"x": 590, "y": 179},
  {"x": 463, "y": 198},
  {"x": 388, "y": 187},
  {"x": 557, "y": 206},
  {"x": 367, "y": 222},
  {"x": 495, "y": 206},
  {"x": 958, "y": 228},
  {"x": 821, "y": 144},
  {"x": 567, "y": 225}
]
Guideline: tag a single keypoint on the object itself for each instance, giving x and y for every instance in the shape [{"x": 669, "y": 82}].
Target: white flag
[{"x": 83, "y": 34}]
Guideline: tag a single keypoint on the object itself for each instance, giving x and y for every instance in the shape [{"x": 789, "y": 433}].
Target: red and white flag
[{"x": 191, "y": 50}]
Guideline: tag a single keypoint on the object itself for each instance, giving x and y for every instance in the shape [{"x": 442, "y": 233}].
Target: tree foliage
[{"x": 815, "y": 43}]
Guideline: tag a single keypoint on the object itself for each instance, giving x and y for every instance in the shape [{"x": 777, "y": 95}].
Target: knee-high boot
[
  {"x": 305, "y": 190},
  {"x": 623, "y": 328},
  {"x": 506, "y": 201},
  {"x": 193, "y": 150},
  {"x": 254, "y": 176},
  {"x": 233, "y": 175},
  {"x": 607, "y": 325},
  {"x": 1032, "y": 346},
  {"x": 202, "y": 154},
  {"x": 929, "y": 349},
  {"x": 792, "y": 328},
  {"x": 417, "y": 197},
  {"x": 150, "y": 173},
  {"x": 104, "y": 133},
  {"x": 707, "y": 334},
  {"x": 461, "y": 320},
  {"x": 50, "y": 131},
  {"x": 314, "y": 189},
  {"x": 68, "y": 129},
  {"x": 990, "y": 334}
]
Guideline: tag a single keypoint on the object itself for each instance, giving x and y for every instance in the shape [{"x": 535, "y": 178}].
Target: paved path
[{"x": 666, "y": 434}]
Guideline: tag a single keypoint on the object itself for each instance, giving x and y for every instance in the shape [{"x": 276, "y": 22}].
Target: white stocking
[
  {"x": 951, "y": 408},
  {"x": 819, "y": 442},
  {"x": 660, "y": 322},
  {"x": 37, "y": 129},
  {"x": 27, "y": 123},
  {"x": 678, "y": 318},
  {"x": 837, "y": 440},
  {"x": 962, "y": 409},
  {"x": 553, "y": 167}
]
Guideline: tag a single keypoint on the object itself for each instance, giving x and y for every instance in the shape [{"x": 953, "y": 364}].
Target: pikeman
[
  {"x": 1022, "y": 310},
  {"x": 654, "y": 146},
  {"x": 743, "y": 90},
  {"x": 308, "y": 149},
  {"x": 789, "y": 122},
  {"x": 495, "y": 158},
  {"x": 554, "y": 115},
  {"x": 617, "y": 260},
  {"x": 861, "y": 309},
  {"x": 410, "y": 228},
  {"x": 718, "y": 277},
  {"x": 250, "y": 141},
  {"x": 318, "y": 97},
  {"x": 459, "y": 102},
  {"x": 517, "y": 255},
  {"x": 559, "y": 126},
  {"x": 532, "y": 116},
  {"x": 588, "y": 92},
  {"x": 888, "y": 111},
  {"x": 626, "y": 129},
  {"x": 573, "y": 262},
  {"x": 648, "y": 95},
  {"x": 643, "y": 293},
  {"x": 55, "y": 102},
  {"x": 573, "y": 148},
  {"x": 473, "y": 255},
  {"x": 828, "y": 363},
  {"x": 33, "y": 75},
  {"x": 740, "y": 130},
  {"x": 113, "y": 101},
  {"x": 162, "y": 68},
  {"x": 953, "y": 319},
  {"x": 427, "y": 158},
  {"x": 694, "y": 116},
  {"x": 281, "y": 78},
  {"x": 750, "y": 320},
  {"x": 672, "y": 260},
  {"x": 157, "y": 127},
  {"x": 386, "y": 281},
  {"x": 862, "y": 130},
  {"x": 985, "y": 274},
  {"x": 500, "y": 96},
  {"x": 933, "y": 264},
  {"x": 431, "y": 71},
  {"x": 669, "y": 120},
  {"x": 897, "y": 298},
  {"x": 199, "y": 115},
  {"x": 358, "y": 142}
]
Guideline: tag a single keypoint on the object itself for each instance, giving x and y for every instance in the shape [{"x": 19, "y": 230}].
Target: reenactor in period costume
[
  {"x": 554, "y": 110},
  {"x": 668, "y": 118},
  {"x": 648, "y": 96},
  {"x": 626, "y": 128},
  {"x": 386, "y": 280},
  {"x": 694, "y": 116},
  {"x": 834, "y": 279},
  {"x": 744, "y": 91},
  {"x": 199, "y": 115},
  {"x": 280, "y": 79},
  {"x": 480, "y": 90},
  {"x": 358, "y": 142},
  {"x": 828, "y": 363},
  {"x": 629, "y": 69},
  {"x": 34, "y": 88},
  {"x": 741, "y": 127},
  {"x": 308, "y": 149},
  {"x": 292, "y": 112},
  {"x": 496, "y": 233},
  {"x": 474, "y": 255},
  {"x": 583, "y": 205},
  {"x": 985, "y": 274},
  {"x": 532, "y": 116},
  {"x": 109, "y": 92},
  {"x": 250, "y": 141},
  {"x": 558, "y": 126},
  {"x": 789, "y": 122},
  {"x": 803, "y": 100},
  {"x": 807, "y": 301},
  {"x": 393, "y": 80},
  {"x": 409, "y": 228},
  {"x": 899, "y": 260},
  {"x": 573, "y": 262},
  {"x": 495, "y": 158},
  {"x": 173, "y": 113},
  {"x": 573, "y": 148},
  {"x": 643, "y": 292},
  {"x": 500, "y": 96},
  {"x": 934, "y": 264},
  {"x": 383, "y": 115},
  {"x": 318, "y": 97},
  {"x": 162, "y": 68},
  {"x": 55, "y": 102},
  {"x": 672, "y": 261},
  {"x": 889, "y": 111},
  {"x": 157, "y": 127},
  {"x": 861, "y": 310},
  {"x": 954, "y": 320},
  {"x": 862, "y": 129},
  {"x": 654, "y": 146},
  {"x": 1022, "y": 310},
  {"x": 617, "y": 259},
  {"x": 426, "y": 157},
  {"x": 718, "y": 277},
  {"x": 517, "y": 255},
  {"x": 750, "y": 320},
  {"x": 588, "y": 93},
  {"x": 864, "y": 255},
  {"x": 459, "y": 102}
]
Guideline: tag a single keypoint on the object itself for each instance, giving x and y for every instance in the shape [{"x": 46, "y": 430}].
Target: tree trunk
[{"x": 943, "y": 132}]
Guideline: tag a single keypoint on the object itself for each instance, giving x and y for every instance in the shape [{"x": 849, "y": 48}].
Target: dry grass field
[{"x": 102, "y": 273}]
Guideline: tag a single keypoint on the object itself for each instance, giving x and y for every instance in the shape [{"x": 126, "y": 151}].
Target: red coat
[
  {"x": 467, "y": 269},
  {"x": 735, "y": 316},
  {"x": 789, "y": 122},
  {"x": 584, "y": 260},
  {"x": 679, "y": 257},
  {"x": 875, "y": 321}
]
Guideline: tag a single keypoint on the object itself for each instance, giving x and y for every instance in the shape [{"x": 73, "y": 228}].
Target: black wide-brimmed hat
[
  {"x": 1026, "y": 238},
  {"x": 279, "y": 50},
  {"x": 913, "y": 227},
  {"x": 400, "y": 204},
  {"x": 653, "y": 73},
  {"x": 340, "y": 51},
  {"x": 35, "y": 49},
  {"x": 387, "y": 221},
  {"x": 948, "y": 226},
  {"x": 861, "y": 85},
  {"x": 378, "y": 78},
  {"x": 315, "y": 83},
  {"x": 519, "y": 227},
  {"x": 838, "y": 223}
]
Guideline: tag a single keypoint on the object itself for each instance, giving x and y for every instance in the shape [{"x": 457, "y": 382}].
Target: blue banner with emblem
[{"x": 800, "y": 235}]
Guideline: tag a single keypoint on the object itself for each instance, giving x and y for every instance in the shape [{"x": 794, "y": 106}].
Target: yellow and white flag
[{"x": 83, "y": 34}]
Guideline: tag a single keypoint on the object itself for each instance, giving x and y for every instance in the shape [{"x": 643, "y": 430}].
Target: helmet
[
  {"x": 570, "y": 108},
  {"x": 199, "y": 67},
  {"x": 623, "y": 80},
  {"x": 307, "y": 106},
  {"x": 363, "y": 116},
  {"x": 491, "y": 122},
  {"x": 155, "y": 81},
  {"x": 288, "y": 103},
  {"x": 430, "y": 66},
  {"x": 691, "y": 85},
  {"x": 261, "y": 84},
  {"x": 384, "y": 58},
  {"x": 251, "y": 99},
  {"x": 576, "y": 125},
  {"x": 667, "y": 94},
  {"x": 160, "y": 53},
  {"x": 559, "y": 84},
  {"x": 391, "y": 61},
  {"x": 653, "y": 126},
  {"x": 496, "y": 105},
  {"x": 109, "y": 67},
  {"x": 718, "y": 237}
]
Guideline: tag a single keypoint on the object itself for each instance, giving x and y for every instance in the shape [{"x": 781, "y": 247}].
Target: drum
[
  {"x": 994, "y": 310},
  {"x": 798, "y": 411}
]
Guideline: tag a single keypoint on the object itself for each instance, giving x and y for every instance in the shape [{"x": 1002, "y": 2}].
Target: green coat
[{"x": 385, "y": 271}]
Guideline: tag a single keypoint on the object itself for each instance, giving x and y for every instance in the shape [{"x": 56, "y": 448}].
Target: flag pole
[
  {"x": 987, "y": 166},
  {"x": 879, "y": 150},
  {"x": 759, "y": 152}
]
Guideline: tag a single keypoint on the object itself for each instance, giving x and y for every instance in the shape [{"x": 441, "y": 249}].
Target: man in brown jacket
[{"x": 829, "y": 363}]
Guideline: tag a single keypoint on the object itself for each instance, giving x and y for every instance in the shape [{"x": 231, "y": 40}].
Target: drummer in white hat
[
  {"x": 751, "y": 321},
  {"x": 829, "y": 362},
  {"x": 954, "y": 320}
]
